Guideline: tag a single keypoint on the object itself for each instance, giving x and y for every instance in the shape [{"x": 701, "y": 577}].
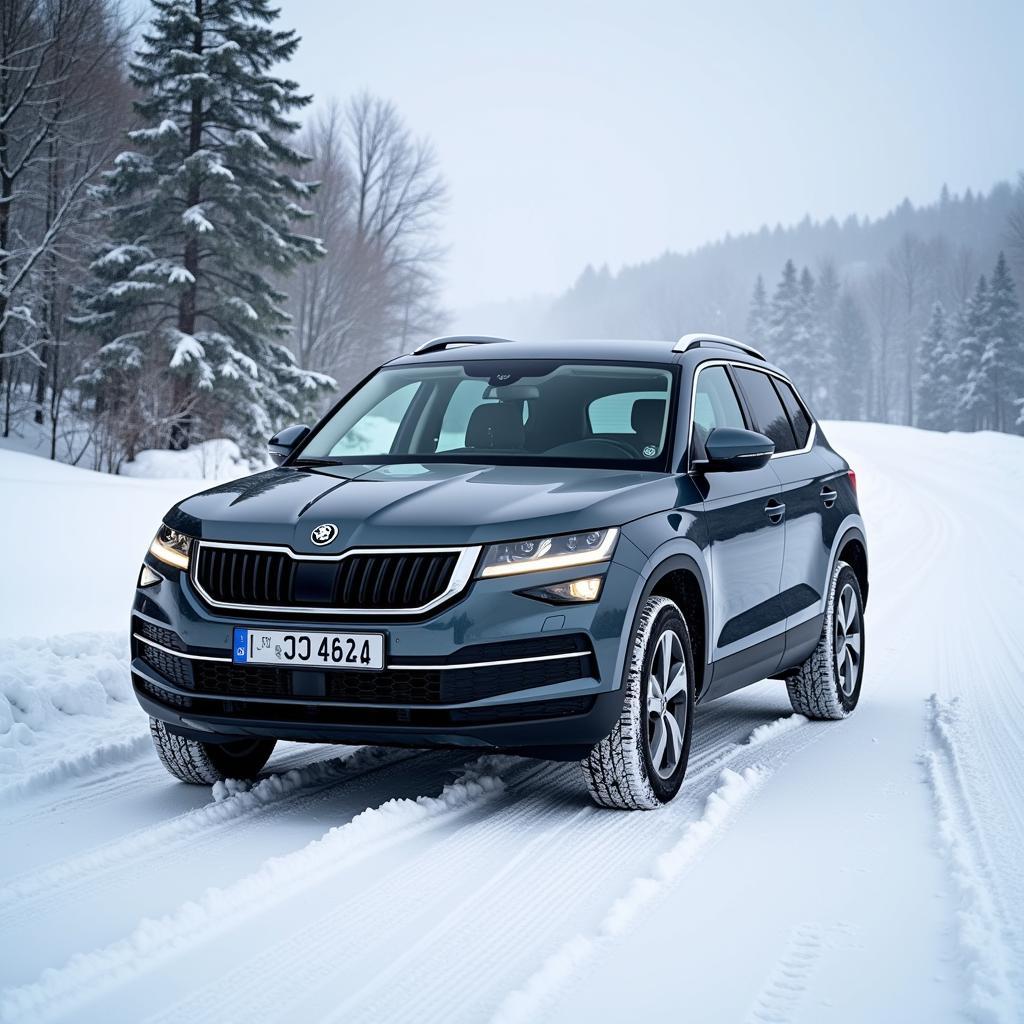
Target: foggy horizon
[{"x": 540, "y": 116}]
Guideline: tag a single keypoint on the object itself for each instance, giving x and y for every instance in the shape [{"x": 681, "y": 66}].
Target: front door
[
  {"x": 802, "y": 469},
  {"x": 745, "y": 521}
]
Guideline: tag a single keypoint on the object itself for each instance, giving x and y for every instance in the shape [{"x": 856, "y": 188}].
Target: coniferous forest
[{"x": 193, "y": 247}]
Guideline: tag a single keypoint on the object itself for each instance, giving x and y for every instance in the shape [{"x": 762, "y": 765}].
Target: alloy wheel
[
  {"x": 666, "y": 704},
  {"x": 848, "y": 639}
]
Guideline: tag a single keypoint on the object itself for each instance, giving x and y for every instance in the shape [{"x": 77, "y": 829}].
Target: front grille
[
  {"x": 382, "y": 581},
  {"x": 233, "y": 576}
]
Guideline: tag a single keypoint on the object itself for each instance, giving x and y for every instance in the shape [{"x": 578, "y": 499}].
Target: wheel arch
[
  {"x": 680, "y": 578},
  {"x": 853, "y": 549}
]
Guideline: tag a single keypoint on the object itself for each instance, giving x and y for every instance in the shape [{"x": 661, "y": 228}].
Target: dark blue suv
[{"x": 555, "y": 549}]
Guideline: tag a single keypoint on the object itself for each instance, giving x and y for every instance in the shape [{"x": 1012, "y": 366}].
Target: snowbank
[
  {"x": 215, "y": 460},
  {"x": 59, "y": 694},
  {"x": 80, "y": 540}
]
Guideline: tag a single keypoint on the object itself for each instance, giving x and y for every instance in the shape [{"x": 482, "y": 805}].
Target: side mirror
[
  {"x": 284, "y": 442},
  {"x": 731, "y": 450}
]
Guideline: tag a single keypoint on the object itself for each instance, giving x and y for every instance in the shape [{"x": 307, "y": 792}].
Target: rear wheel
[
  {"x": 827, "y": 684},
  {"x": 641, "y": 764},
  {"x": 207, "y": 763}
]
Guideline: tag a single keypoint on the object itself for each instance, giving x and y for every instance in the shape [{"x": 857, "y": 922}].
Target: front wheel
[
  {"x": 207, "y": 763},
  {"x": 641, "y": 764},
  {"x": 827, "y": 684}
]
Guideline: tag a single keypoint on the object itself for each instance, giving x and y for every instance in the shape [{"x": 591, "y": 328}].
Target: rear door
[
  {"x": 801, "y": 470},
  {"x": 746, "y": 538}
]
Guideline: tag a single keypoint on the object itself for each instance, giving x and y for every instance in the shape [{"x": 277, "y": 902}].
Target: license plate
[{"x": 357, "y": 651}]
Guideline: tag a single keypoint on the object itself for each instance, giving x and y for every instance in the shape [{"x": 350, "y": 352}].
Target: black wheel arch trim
[
  {"x": 857, "y": 534},
  {"x": 659, "y": 570}
]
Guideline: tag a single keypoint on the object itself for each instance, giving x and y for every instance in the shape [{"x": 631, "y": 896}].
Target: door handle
[
  {"x": 775, "y": 510},
  {"x": 828, "y": 496}
]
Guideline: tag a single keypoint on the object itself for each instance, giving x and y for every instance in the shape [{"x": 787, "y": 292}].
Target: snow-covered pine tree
[
  {"x": 851, "y": 360},
  {"x": 804, "y": 354},
  {"x": 1003, "y": 358},
  {"x": 758, "y": 318},
  {"x": 823, "y": 322},
  {"x": 937, "y": 382},
  {"x": 974, "y": 399},
  {"x": 784, "y": 316},
  {"x": 199, "y": 215}
]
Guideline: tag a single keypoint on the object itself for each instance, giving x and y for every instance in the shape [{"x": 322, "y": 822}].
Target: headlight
[
  {"x": 549, "y": 552},
  {"x": 171, "y": 547}
]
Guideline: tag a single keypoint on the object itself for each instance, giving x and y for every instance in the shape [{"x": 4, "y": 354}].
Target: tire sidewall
[{"x": 668, "y": 617}]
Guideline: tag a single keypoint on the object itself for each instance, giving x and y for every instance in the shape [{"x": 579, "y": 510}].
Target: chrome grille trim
[{"x": 457, "y": 582}]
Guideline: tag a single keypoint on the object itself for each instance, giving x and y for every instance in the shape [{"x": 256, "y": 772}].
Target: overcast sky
[{"x": 576, "y": 132}]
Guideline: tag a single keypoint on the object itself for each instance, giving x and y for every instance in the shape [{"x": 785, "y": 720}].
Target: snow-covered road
[{"x": 863, "y": 870}]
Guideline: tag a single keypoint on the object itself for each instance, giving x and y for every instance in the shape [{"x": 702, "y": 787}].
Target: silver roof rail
[
  {"x": 688, "y": 341},
  {"x": 455, "y": 340}
]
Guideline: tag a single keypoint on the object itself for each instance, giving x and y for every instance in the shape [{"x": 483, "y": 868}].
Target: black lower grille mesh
[
  {"x": 422, "y": 717},
  {"x": 159, "y": 634},
  {"x": 173, "y": 669},
  {"x": 447, "y": 684}
]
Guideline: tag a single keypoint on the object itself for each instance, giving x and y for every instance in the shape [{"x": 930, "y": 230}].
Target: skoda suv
[{"x": 551, "y": 549}]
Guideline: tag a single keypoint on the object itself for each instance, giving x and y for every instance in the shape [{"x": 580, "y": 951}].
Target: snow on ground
[
  {"x": 214, "y": 460},
  {"x": 863, "y": 870}
]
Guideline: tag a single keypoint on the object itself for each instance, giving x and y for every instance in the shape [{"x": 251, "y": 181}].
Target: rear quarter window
[
  {"x": 766, "y": 408},
  {"x": 798, "y": 417}
]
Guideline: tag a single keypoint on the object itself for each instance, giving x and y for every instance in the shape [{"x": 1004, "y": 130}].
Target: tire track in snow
[
  {"x": 537, "y": 843},
  {"x": 558, "y": 969},
  {"x": 88, "y": 975},
  {"x": 781, "y": 997},
  {"x": 387, "y": 900},
  {"x": 984, "y": 934},
  {"x": 116, "y": 752},
  {"x": 305, "y": 959},
  {"x": 62, "y": 882}
]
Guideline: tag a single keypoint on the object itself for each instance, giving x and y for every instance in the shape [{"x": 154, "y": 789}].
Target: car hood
[{"x": 414, "y": 504}]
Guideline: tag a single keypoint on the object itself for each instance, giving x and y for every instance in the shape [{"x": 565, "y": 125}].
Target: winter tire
[
  {"x": 827, "y": 684},
  {"x": 641, "y": 764},
  {"x": 207, "y": 763}
]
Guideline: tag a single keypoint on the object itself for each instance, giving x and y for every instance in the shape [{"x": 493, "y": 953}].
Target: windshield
[{"x": 512, "y": 412}]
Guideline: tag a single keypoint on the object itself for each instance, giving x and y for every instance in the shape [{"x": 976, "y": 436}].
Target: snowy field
[{"x": 869, "y": 870}]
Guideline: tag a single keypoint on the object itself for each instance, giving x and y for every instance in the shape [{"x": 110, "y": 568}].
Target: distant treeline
[{"x": 912, "y": 318}]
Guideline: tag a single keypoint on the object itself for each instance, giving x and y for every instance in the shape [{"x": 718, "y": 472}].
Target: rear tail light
[{"x": 853, "y": 480}]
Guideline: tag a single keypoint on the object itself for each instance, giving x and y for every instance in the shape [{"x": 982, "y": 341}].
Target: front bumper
[{"x": 546, "y": 677}]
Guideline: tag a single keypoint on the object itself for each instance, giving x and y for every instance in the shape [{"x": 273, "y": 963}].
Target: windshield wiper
[{"x": 327, "y": 460}]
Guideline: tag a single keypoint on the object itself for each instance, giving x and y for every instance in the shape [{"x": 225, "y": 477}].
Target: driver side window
[{"x": 714, "y": 405}]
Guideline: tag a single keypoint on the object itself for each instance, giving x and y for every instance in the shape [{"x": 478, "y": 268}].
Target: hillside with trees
[{"x": 911, "y": 318}]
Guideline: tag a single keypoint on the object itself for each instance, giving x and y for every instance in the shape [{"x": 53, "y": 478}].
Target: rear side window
[
  {"x": 766, "y": 408},
  {"x": 714, "y": 405},
  {"x": 798, "y": 417}
]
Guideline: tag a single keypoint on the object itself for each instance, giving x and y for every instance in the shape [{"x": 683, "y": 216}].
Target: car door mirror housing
[
  {"x": 730, "y": 450},
  {"x": 284, "y": 442}
]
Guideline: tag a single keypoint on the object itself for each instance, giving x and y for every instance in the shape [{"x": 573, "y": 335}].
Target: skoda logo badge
[{"x": 324, "y": 534}]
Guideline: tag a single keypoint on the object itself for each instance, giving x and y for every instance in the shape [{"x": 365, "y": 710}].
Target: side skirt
[{"x": 775, "y": 658}]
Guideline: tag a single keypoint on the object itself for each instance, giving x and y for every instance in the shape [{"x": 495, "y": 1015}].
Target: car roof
[{"x": 627, "y": 350}]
